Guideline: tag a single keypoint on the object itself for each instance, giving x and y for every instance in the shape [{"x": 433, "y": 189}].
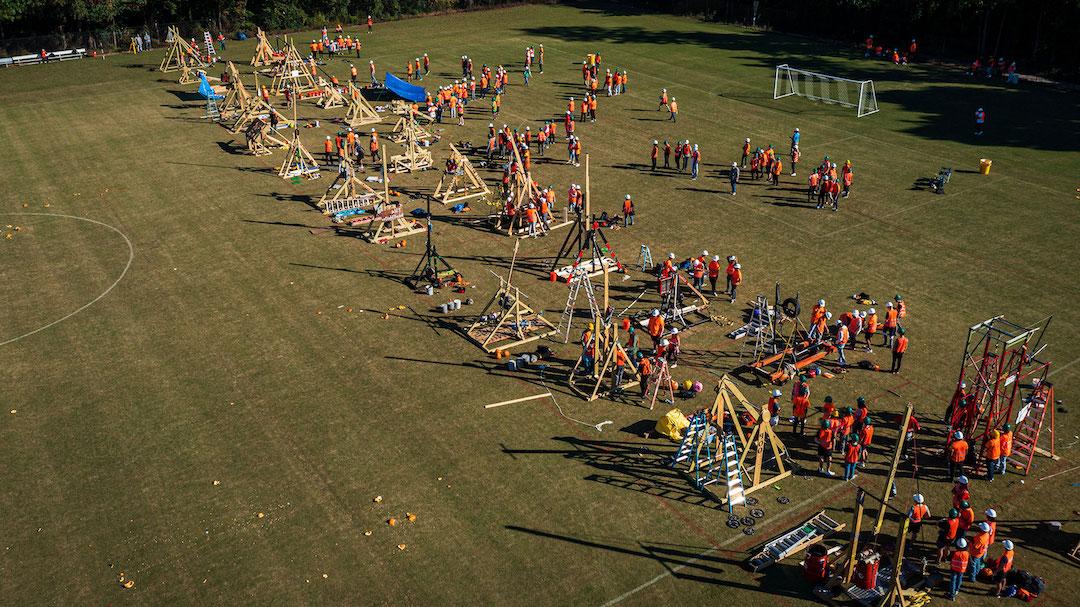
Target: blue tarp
[
  {"x": 406, "y": 91},
  {"x": 205, "y": 90}
]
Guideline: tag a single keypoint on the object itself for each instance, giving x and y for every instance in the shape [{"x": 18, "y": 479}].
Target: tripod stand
[{"x": 432, "y": 268}]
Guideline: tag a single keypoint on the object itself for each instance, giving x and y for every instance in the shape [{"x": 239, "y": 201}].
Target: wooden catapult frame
[
  {"x": 517, "y": 323},
  {"x": 331, "y": 96},
  {"x": 390, "y": 221},
  {"x": 180, "y": 54},
  {"x": 237, "y": 98},
  {"x": 264, "y": 53},
  {"x": 360, "y": 112},
  {"x": 606, "y": 345},
  {"x": 414, "y": 157},
  {"x": 298, "y": 161},
  {"x": 254, "y": 108},
  {"x": 261, "y": 138},
  {"x": 584, "y": 236},
  {"x": 462, "y": 185},
  {"x": 293, "y": 73},
  {"x": 523, "y": 190},
  {"x": 408, "y": 122},
  {"x": 347, "y": 187}
]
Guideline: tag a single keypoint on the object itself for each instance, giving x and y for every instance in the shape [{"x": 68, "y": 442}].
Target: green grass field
[{"x": 216, "y": 345}]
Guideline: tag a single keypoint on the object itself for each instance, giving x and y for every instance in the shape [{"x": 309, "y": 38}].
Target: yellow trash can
[{"x": 984, "y": 165}]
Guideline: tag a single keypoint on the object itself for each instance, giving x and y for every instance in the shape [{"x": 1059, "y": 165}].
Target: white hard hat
[
  {"x": 776, "y": 393},
  {"x": 990, "y": 512},
  {"x": 839, "y": 323},
  {"x": 738, "y": 266},
  {"x": 716, "y": 258},
  {"x": 734, "y": 164},
  {"x": 328, "y": 137},
  {"x": 821, "y": 302},
  {"x": 656, "y": 312},
  {"x": 747, "y": 140},
  {"x": 671, "y": 256},
  {"x": 695, "y": 146},
  {"x": 1008, "y": 544},
  {"x": 855, "y": 311},
  {"x": 963, "y": 480},
  {"x": 872, "y": 311},
  {"x": 628, "y": 197},
  {"x": 862, "y": 314},
  {"x": 958, "y": 435},
  {"x": 828, "y": 315},
  {"x": 984, "y": 527},
  {"x": 961, "y": 543},
  {"x": 888, "y": 304},
  {"x": 918, "y": 498},
  {"x": 963, "y": 384},
  {"x": 664, "y": 342},
  {"x": 704, "y": 253},
  {"x": 731, "y": 258},
  {"x": 655, "y": 142},
  {"x": 491, "y": 124},
  {"x": 796, "y": 129},
  {"x": 674, "y": 331}
]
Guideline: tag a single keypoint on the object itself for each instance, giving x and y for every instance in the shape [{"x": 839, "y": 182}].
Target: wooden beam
[{"x": 517, "y": 400}]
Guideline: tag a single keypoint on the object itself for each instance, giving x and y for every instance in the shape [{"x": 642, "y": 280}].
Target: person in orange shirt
[
  {"x": 978, "y": 546},
  {"x": 656, "y": 327},
  {"x": 866, "y": 437},
  {"x": 736, "y": 279},
  {"x": 655, "y": 153},
  {"x": 960, "y": 493},
  {"x": 628, "y": 211},
  {"x": 991, "y": 453},
  {"x": 948, "y": 528},
  {"x": 663, "y": 99},
  {"x": 991, "y": 521},
  {"x": 644, "y": 371},
  {"x": 916, "y": 515},
  {"x": 800, "y": 406},
  {"x": 824, "y": 440},
  {"x": 958, "y": 450},
  {"x": 373, "y": 145},
  {"x": 899, "y": 347},
  {"x": 888, "y": 331},
  {"x": 813, "y": 185},
  {"x": 777, "y": 168},
  {"x": 592, "y": 109},
  {"x": 851, "y": 458},
  {"x": 745, "y": 152},
  {"x": 620, "y": 368},
  {"x": 714, "y": 273},
  {"x": 841, "y": 341},
  {"x": 958, "y": 565},
  {"x": 328, "y": 149},
  {"x": 1002, "y": 565},
  {"x": 1006, "y": 441},
  {"x": 870, "y": 327},
  {"x": 967, "y": 517},
  {"x": 673, "y": 108}
]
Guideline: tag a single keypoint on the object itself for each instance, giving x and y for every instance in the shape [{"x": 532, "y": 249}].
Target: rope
[{"x": 599, "y": 427}]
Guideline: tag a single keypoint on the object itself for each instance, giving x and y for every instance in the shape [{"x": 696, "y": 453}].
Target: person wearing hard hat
[
  {"x": 958, "y": 565},
  {"x": 960, "y": 493},
  {"x": 899, "y": 347},
  {"x": 824, "y": 440},
  {"x": 800, "y": 406},
  {"x": 733, "y": 177},
  {"x": 917, "y": 514},
  {"x": 991, "y": 521},
  {"x": 736, "y": 279},
  {"x": 745, "y": 152},
  {"x": 655, "y": 153},
  {"x": 851, "y": 457},
  {"x": 991, "y": 453},
  {"x": 978, "y": 547},
  {"x": 628, "y": 211},
  {"x": 1006, "y": 441},
  {"x": 817, "y": 312},
  {"x": 866, "y": 437},
  {"x": 674, "y": 346},
  {"x": 958, "y": 397},
  {"x": 729, "y": 271},
  {"x": 773, "y": 407},
  {"x": 1002, "y": 565},
  {"x": 714, "y": 273},
  {"x": 644, "y": 371},
  {"x": 948, "y": 531},
  {"x": 840, "y": 341},
  {"x": 697, "y": 270},
  {"x": 958, "y": 451},
  {"x": 655, "y": 327},
  {"x": 892, "y": 319}
]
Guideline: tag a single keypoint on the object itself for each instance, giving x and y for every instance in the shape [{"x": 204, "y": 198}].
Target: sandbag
[{"x": 672, "y": 424}]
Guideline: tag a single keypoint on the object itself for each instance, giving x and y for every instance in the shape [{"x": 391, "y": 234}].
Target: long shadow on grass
[{"x": 698, "y": 564}]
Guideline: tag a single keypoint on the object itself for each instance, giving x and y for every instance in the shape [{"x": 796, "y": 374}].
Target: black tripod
[
  {"x": 432, "y": 268},
  {"x": 584, "y": 237}
]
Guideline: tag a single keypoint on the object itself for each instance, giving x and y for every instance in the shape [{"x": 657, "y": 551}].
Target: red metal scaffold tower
[{"x": 1005, "y": 383}]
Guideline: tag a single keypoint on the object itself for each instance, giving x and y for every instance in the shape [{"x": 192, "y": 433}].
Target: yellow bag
[{"x": 672, "y": 424}]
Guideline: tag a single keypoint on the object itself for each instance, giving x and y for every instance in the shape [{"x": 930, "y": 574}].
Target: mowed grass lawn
[{"x": 225, "y": 351}]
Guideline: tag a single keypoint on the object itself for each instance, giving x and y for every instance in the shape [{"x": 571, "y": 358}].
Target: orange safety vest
[
  {"x": 901, "y": 345},
  {"x": 824, "y": 438},
  {"x": 919, "y": 512},
  {"x": 1006, "y": 443},
  {"x": 960, "y": 561},
  {"x": 958, "y": 450},
  {"x": 992, "y": 449},
  {"x": 842, "y": 336},
  {"x": 656, "y": 325},
  {"x": 736, "y": 276},
  {"x": 890, "y": 318},
  {"x": 799, "y": 406},
  {"x": 979, "y": 544}
]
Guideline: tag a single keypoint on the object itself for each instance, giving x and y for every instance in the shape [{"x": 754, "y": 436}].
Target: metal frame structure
[{"x": 785, "y": 85}]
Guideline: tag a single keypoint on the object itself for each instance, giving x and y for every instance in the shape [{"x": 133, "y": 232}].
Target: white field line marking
[
  {"x": 131, "y": 257},
  {"x": 694, "y": 560}
]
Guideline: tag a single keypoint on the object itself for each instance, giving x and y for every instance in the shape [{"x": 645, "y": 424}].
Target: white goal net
[{"x": 858, "y": 94}]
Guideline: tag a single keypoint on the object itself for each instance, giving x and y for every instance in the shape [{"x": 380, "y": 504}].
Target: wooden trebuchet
[
  {"x": 460, "y": 181},
  {"x": 180, "y": 54}
]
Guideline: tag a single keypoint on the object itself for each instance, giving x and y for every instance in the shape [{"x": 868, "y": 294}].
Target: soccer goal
[{"x": 857, "y": 94}]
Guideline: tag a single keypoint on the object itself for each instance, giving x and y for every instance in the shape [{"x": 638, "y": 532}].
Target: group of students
[
  {"x": 994, "y": 453},
  {"x": 849, "y": 325},
  {"x": 687, "y": 155},
  {"x": 967, "y": 558},
  {"x": 331, "y": 46},
  {"x": 874, "y": 49},
  {"x": 846, "y": 431}
]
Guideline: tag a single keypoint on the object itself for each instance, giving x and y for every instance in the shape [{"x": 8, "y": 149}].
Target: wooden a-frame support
[
  {"x": 298, "y": 161},
  {"x": 360, "y": 112},
  {"x": 255, "y": 108},
  {"x": 517, "y": 324},
  {"x": 347, "y": 189},
  {"x": 264, "y": 53},
  {"x": 261, "y": 138},
  {"x": 605, "y": 348},
  {"x": 180, "y": 54},
  {"x": 237, "y": 98},
  {"x": 463, "y": 184},
  {"x": 523, "y": 191},
  {"x": 414, "y": 157},
  {"x": 399, "y": 134},
  {"x": 897, "y": 595},
  {"x": 331, "y": 96},
  {"x": 390, "y": 221},
  {"x": 761, "y": 435},
  {"x": 293, "y": 73}
]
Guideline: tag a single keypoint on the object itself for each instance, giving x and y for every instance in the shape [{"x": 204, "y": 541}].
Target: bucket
[
  {"x": 428, "y": 290},
  {"x": 442, "y": 308},
  {"x": 984, "y": 165}
]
